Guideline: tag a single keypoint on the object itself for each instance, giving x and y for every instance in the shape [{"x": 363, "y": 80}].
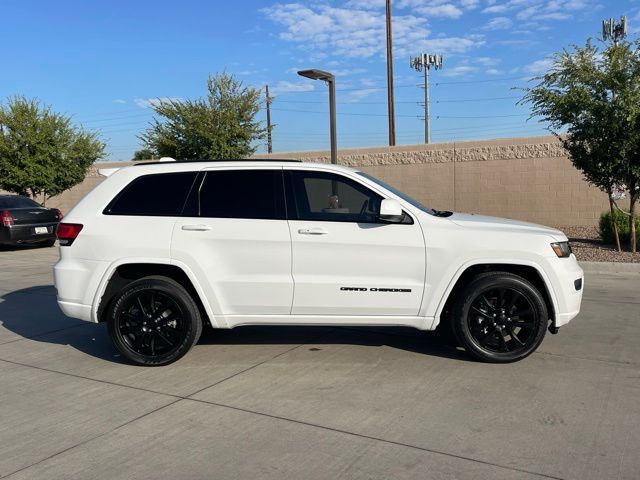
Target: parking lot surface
[{"x": 314, "y": 403}]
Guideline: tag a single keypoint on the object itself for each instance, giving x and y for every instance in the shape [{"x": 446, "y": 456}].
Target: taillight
[
  {"x": 67, "y": 233},
  {"x": 7, "y": 219},
  {"x": 58, "y": 214}
]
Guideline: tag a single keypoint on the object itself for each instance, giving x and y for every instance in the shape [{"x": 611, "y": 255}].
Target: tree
[
  {"x": 595, "y": 95},
  {"x": 41, "y": 152},
  {"x": 222, "y": 126},
  {"x": 143, "y": 154}
]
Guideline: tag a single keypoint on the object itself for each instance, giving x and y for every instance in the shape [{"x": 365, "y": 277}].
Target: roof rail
[{"x": 168, "y": 159}]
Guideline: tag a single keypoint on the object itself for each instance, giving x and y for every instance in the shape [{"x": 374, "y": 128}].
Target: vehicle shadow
[{"x": 33, "y": 313}]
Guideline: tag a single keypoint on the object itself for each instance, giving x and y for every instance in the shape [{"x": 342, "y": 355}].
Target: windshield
[
  {"x": 399, "y": 193},
  {"x": 17, "y": 201}
]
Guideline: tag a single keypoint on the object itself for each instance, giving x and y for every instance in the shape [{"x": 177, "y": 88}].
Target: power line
[
  {"x": 340, "y": 113},
  {"x": 488, "y": 80},
  {"x": 375, "y": 88}
]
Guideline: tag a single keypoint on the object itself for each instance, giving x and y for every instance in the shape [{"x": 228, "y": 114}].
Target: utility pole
[
  {"x": 614, "y": 30},
  {"x": 390, "y": 102},
  {"x": 269, "y": 126},
  {"x": 423, "y": 63}
]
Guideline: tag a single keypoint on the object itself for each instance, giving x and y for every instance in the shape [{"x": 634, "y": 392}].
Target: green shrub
[{"x": 622, "y": 220}]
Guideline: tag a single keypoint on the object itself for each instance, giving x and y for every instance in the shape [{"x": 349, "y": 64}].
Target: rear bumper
[
  {"x": 76, "y": 282},
  {"x": 19, "y": 234},
  {"x": 76, "y": 310}
]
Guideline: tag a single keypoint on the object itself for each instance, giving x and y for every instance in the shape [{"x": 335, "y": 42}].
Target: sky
[{"x": 104, "y": 62}]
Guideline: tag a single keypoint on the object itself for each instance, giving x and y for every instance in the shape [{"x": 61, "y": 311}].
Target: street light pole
[
  {"x": 316, "y": 74},
  {"x": 332, "y": 122}
]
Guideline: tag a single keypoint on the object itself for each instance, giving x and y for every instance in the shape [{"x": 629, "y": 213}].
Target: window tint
[
  {"x": 16, "y": 201},
  {"x": 243, "y": 194},
  {"x": 329, "y": 197},
  {"x": 155, "y": 195}
]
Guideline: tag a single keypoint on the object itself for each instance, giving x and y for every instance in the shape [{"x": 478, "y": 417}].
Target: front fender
[{"x": 442, "y": 291}]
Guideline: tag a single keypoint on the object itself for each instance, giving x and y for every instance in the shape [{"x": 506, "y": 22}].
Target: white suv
[{"x": 158, "y": 249}]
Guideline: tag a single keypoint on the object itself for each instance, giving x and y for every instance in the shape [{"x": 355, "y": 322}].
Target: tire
[
  {"x": 500, "y": 317},
  {"x": 154, "y": 321}
]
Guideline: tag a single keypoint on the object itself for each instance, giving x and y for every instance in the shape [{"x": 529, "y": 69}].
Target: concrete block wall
[{"x": 528, "y": 179}]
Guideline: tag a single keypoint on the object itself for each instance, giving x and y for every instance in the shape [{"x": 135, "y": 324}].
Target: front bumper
[
  {"x": 567, "y": 278},
  {"x": 22, "y": 234}
]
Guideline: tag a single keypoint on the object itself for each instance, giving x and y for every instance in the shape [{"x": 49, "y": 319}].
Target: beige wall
[{"x": 526, "y": 178}]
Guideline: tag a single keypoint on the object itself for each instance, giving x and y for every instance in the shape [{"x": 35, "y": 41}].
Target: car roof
[{"x": 185, "y": 166}]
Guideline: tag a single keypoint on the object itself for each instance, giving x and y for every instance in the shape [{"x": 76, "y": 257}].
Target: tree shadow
[{"x": 33, "y": 313}]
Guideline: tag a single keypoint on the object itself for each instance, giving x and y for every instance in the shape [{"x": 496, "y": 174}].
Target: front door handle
[
  {"x": 196, "y": 228},
  {"x": 313, "y": 231}
]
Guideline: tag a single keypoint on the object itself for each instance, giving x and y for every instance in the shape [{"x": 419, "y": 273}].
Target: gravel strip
[{"x": 588, "y": 247}]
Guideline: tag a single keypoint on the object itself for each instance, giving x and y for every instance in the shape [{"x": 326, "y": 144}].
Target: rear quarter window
[{"x": 162, "y": 194}]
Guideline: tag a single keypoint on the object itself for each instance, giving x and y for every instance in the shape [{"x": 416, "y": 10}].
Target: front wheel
[
  {"x": 500, "y": 317},
  {"x": 154, "y": 321}
]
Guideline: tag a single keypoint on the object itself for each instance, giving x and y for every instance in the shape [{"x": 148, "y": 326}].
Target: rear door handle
[
  {"x": 313, "y": 231},
  {"x": 196, "y": 228}
]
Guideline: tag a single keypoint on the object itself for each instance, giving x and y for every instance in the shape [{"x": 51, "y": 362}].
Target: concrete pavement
[{"x": 314, "y": 403}]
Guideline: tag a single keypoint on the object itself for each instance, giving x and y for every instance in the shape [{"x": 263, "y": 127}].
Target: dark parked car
[{"x": 23, "y": 221}]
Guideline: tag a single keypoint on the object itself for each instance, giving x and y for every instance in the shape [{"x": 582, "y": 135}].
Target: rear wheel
[
  {"x": 154, "y": 321},
  {"x": 500, "y": 317}
]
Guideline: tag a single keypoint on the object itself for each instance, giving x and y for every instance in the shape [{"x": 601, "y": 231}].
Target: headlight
[{"x": 562, "y": 249}]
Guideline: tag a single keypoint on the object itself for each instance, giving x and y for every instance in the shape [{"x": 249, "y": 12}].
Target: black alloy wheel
[
  {"x": 154, "y": 321},
  {"x": 500, "y": 317}
]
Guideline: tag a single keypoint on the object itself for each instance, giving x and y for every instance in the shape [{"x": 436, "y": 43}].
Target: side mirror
[{"x": 391, "y": 211}]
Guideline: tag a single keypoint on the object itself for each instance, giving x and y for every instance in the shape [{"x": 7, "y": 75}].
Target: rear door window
[
  {"x": 256, "y": 194},
  {"x": 161, "y": 194},
  {"x": 17, "y": 201}
]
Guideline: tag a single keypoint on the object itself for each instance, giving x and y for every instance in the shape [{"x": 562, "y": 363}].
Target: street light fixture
[{"x": 315, "y": 74}]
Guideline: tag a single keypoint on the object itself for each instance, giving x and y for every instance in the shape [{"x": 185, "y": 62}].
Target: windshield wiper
[{"x": 441, "y": 213}]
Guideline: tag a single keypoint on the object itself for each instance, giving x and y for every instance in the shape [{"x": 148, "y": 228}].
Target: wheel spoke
[
  {"x": 138, "y": 342},
  {"x": 503, "y": 341},
  {"x": 480, "y": 312},
  {"x": 515, "y": 295},
  {"x": 152, "y": 344},
  {"x": 484, "y": 340},
  {"x": 142, "y": 309},
  {"x": 164, "y": 338},
  {"x": 515, "y": 337},
  {"x": 523, "y": 313},
  {"x": 487, "y": 302},
  {"x": 127, "y": 329},
  {"x": 500, "y": 298},
  {"x": 152, "y": 303}
]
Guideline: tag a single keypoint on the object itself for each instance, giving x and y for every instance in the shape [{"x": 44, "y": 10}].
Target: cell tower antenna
[
  {"x": 423, "y": 63},
  {"x": 614, "y": 30}
]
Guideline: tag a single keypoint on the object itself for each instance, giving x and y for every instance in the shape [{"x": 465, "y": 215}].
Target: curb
[{"x": 610, "y": 267}]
